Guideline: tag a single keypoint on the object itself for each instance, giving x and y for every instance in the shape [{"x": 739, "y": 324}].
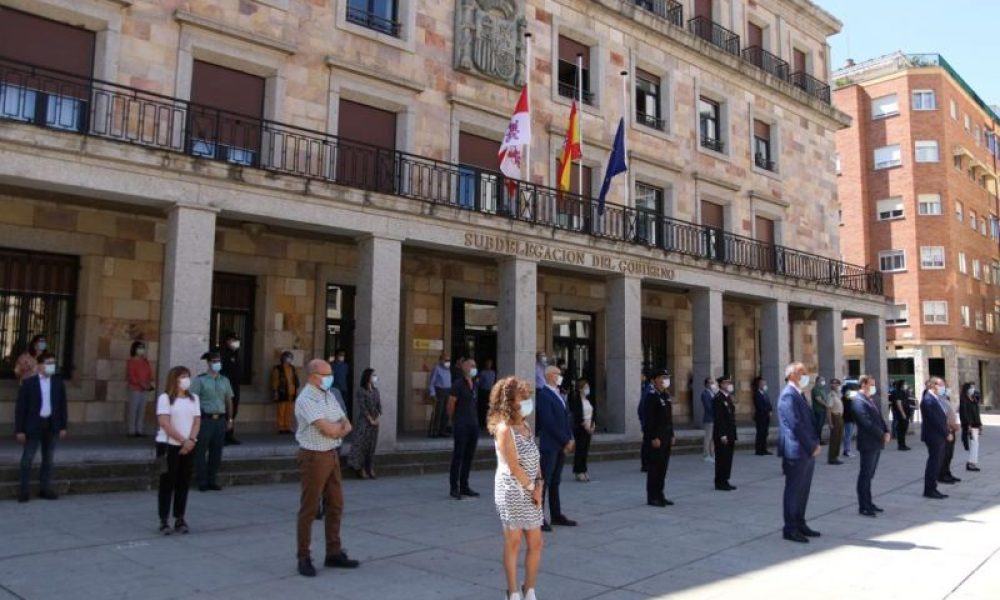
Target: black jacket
[
  {"x": 232, "y": 367},
  {"x": 27, "y": 411},
  {"x": 575, "y": 404},
  {"x": 968, "y": 413},
  {"x": 725, "y": 418},
  {"x": 762, "y": 406},
  {"x": 659, "y": 419}
]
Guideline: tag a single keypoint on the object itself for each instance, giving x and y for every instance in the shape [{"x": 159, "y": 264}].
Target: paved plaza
[{"x": 416, "y": 543}]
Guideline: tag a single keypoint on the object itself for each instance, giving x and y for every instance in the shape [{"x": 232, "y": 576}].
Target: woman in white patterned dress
[{"x": 518, "y": 484}]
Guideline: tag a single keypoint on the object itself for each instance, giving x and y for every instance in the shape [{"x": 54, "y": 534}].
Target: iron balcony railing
[
  {"x": 766, "y": 61},
  {"x": 569, "y": 90},
  {"x": 373, "y": 20},
  {"x": 712, "y": 143},
  {"x": 715, "y": 34},
  {"x": 671, "y": 10},
  {"x": 812, "y": 86},
  {"x": 651, "y": 121},
  {"x": 763, "y": 162},
  {"x": 114, "y": 112}
]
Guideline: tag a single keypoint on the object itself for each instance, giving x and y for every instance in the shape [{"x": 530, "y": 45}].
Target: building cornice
[
  {"x": 371, "y": 72},
  {"x": 189, "y": 18}
]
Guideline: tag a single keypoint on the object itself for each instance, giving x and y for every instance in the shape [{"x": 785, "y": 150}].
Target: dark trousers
[
  {"x": 320, "y": 478},
  {"x": 175, "y": 481},
  {"x": 836, "y": 437},
  {"x": 45, "y": 438},
  {"x": 208, "y": 450},
  {"x": 900, "y": 426},
  {"x": 723, "y": 462},
  {"x": 819, "y": 420},
  {"x": 466, "y": 437},
  {"x": 582, "y": 437},
  {"x": 658, "y": 460},
  {"x": 230, "y": 434},
  {"x": 798, "y": 481},
  {"x": 763, "y": 422},
  {"x": 935, "y": 458},
  {"x": 644, "y": 456},
  {"x": 552, "y": 466},
  {"x": 949, "y": 453},
  {"x": 438, "y": 426},
  {"x": 869, "y": 462},
  {"x": 483, "y": 407}
]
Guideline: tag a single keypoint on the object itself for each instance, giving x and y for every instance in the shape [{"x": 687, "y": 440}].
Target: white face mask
[
  {"x": 50, "y": 370},
  {"x": 473, "y": 372},
  {"x": 666, "y": 383},
  {"x": 972, "y": 391},
  {"x": 184, "y": 383},
  {"x": 714, "y": 387},
  {"x": 542, "y": 359},
  {"x": 235, "y": 344},
  {"x": 140, "y": 351},
  {"x": 586, "y": 391},
  {"x": 446, "y": 363},
  {"x": 729, "y": 388},
  {"x": 763, "y": 388},
  {"x": 872, "y": 390},
  {"x": 527, "y": 407},
  {"x": 559, "y": 381},
  {"x": 804, "y": 381},
  {"x": 374, "y": 378}
]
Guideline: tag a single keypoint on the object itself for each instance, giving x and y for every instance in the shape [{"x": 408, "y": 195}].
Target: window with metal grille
[
  {"x": 37, "y": 297},
  {"x": 574, "y": 81},
  {"x": 380, "y": 15},
  {"x": 233, "y": 312},
  {"x": 647, "y": 100}
]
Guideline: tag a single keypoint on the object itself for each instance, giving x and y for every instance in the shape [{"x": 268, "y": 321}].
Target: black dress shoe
[
  {"x": 936, "y": 495},
  {"x": 469, "y": 492},
  {"x": 659, "y": 503},
  {"x": 835, "y": 462},
  {"x": 563, "y": 521},
  {"x": 806, "y": 531},
  {"x": 954, "y": 479},
  {"x": 905, "y": 448},
  {"x": 546, "y": 526},
  {"x": 795, "y": 537},
  {"x": 48, "y": 495},
  {"x": 725, "y": 487},
  {"x": 730, "y": 487},
  {"x": 971, "y": 467},
  {"x": 23, "y": 497},
  {"x": 877, "y": 509},
  {"x": 214, "y": 487},
  {"x": 667, "y": 502},
  {"x": 864, "y": 512},
  {"x": 946, "y": 481},
  {"x": 341, "y": 561},
  {"x": 768, "y": 453},
  {"x": 306, "y": 568},
  {"x": 455, "y": 494}
]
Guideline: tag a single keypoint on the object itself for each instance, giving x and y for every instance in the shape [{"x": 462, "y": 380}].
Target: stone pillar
[
  {"x": 187, "y": 288},
  {"x": 774, "y": 346},
  {"x": 517, "y": 329},
  {"x": 875, "y": 357},
  {"x": 377, "y": 341},
  {"x": 706, "y": 343},
  {"x": 624, "y": 355},
  {"x": 830, "y": 343}
]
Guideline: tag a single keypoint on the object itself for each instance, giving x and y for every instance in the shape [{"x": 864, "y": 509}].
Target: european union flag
[{"x": 616, "y": 164}]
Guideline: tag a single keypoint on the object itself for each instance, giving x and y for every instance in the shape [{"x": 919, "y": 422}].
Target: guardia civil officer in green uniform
[{"x": 215, "y": 393}]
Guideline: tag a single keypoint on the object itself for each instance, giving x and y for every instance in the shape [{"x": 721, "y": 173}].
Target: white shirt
[
  {"x": 182, "y": 414},
  {"x": 588, "y": 413},
  {"x": 46, "y": 385},
  {"x": 311, "y": 405}
]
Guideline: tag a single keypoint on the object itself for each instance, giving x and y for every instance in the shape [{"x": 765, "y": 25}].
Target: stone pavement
[{"x": 415, "y": 543}]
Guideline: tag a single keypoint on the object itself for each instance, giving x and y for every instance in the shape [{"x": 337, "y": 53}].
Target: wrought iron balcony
[
  {"x": 812, "y": 86},
  {"x": 373, "y": 21},
  {"x": 766, "y": 61},
  {"x": 712, "y": 143},
  {"x": 715, "y": 34},
  {"x": 670, "y": 10},
  {"x": 650, "y": 121},
  {"x": 763, "y": 162},
  {"x": 569, "y": 90},
  {"x": 99, "y": 109}
]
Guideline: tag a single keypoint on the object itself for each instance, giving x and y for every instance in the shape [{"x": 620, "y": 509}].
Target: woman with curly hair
[{"x": 518, "y": 483}]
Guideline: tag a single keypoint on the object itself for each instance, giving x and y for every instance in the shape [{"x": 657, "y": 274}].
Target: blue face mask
[
  {"x": 327, "y": 382},
  {"x": 527, "y": 407},
  {"x": 473, "y": 372},
  {"x": 217, "y": 367}
]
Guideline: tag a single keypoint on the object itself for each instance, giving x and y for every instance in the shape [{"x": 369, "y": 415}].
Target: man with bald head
[
  {"x": 322, "y": 426},
  {"x": 555, "y": 441},
  {"x": 798, "y": 447}
]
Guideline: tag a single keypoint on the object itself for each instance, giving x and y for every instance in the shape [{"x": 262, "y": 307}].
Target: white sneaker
[
  {"x": 514, "y": 596},
  {"x": 710, "y": 459},
  {"x": 530, "y": 594}
]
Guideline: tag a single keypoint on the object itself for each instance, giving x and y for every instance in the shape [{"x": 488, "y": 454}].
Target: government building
[
  {"x": 919, "y": 197},
  {"x": 323, "y": 174}
]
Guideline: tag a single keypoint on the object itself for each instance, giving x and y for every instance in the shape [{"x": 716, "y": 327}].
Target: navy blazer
[
  {"x": 871, "y": 425},
  {"x": 762, "y": 404},
  {"x": 796, "y": 431},
  {"x": 934, "y": 421},
  {"x": 553, "y": 421},
  {"x": 27, "y": 411}
]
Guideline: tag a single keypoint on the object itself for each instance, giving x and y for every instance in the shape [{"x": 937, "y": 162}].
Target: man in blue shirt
[
  {"x": 707, "y": 416},
  {"x": 439, "y": 388},
  {"x": 342, "y": 379}
]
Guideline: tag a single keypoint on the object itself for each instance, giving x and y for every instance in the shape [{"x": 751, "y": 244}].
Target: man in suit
[
  {"x": 724, "y": 433},
  {"x": 798, "y": 447},
  {"x": 949, "y": 404},
  {"x": 658, "y": 437},
  {"x": 762, "y": 409},
  {"x": 873, "y": 435},
  {"x": 39, "y": 418},
  {"x": 555, "y": 441},
  {"x": 934, "y": 432},
  {"x": 900, "y": 419},
  {"x": 232, "y": 369}
]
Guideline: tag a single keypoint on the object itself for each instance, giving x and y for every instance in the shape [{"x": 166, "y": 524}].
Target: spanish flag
[{"x": 572, "y": 149}]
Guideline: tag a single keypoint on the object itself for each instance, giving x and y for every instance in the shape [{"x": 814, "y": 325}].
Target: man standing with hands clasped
[
  {"x": 873, "y": 435},
  {"x": 798, "y": 447},
  {"x": 934, "y": 432},
  {"x": 658, "y": 437},
  {"x": 555, "y": 441}
]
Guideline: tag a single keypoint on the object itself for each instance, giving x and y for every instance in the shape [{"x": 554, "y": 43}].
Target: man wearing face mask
[
  {"x": 555, "y": 440},
  {"x": 724, "y": 433},
  {"x": 762, "y": 410},
  {"x": 216, "y": 396},
  {"x": 873, "y": 435},
  {"x": 900, "y": 420},
  {"x": 798, "y": 447},
  {"x": 465, "y": 430},
  {"x": 934, "y": 432},
  {"x": 708, "y": 417},
  {"x": 658, "y": 436},
  {"x": 949, "y": 403},
  {"x": 39, "y": 420},
  {"x": 322, "y": 426},
  {"x": 820, "y": 405},
  {"x": 439, "y": 387},
  {"x": 232, "y": 369},
  {"x": 836, "y": 423}
]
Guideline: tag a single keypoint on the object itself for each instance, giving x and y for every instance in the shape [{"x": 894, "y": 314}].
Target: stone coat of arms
[{"x": 489, "y": 38}]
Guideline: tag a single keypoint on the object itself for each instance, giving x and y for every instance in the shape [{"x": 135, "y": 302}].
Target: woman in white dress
[{"x": 518, "y": 483}]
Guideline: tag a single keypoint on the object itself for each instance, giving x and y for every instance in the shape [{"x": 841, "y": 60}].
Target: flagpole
[
  {"x": 579, "y": 121},
  {"x": 527, "y": 89},
  {"x": 626, "y": 116}
]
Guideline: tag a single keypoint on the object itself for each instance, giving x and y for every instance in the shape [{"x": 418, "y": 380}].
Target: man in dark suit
[
  {"x": 762, "y": 409},
  {"x": 232, "y": 368},
  {"x": 658, "y": 437},
  {"x": 798, "y": 447},
  {"x": 873, "y": 435},
  {"x": 934, "y": 432},
  {"x": 724, "y": 433},
  {"x": 555, "y": 441},
  {"x": 39, "y": 417}
]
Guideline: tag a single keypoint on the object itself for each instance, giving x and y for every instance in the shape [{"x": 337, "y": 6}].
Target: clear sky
[{"x": 964, "y": 32}]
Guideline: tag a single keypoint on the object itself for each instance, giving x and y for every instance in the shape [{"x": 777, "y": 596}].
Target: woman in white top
[
  {"x": 584, "y": 425},
  {"x": 179, "y": 415},
  {"x": 517, "y": 487}
]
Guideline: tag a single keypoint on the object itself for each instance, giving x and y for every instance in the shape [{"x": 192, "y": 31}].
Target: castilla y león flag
[{"x": 518, "y": 136}]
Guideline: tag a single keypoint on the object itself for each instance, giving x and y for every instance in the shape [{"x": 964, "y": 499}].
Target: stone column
[
  {"x": 187, "y": 288},
  {"x": 706, "y": 343},
  {"x": 624, "y": 355},
  {"x": 875, "y": 356},
  {"x": 376, "y": 341},
  {"x": 774, "y": 346},
  {"x": 830, "y": 343},
  {"x": 517, "y": 329}
]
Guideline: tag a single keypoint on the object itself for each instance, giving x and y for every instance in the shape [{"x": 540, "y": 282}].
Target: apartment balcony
[
  {"x": 764, "y": 60},
  {"x": 373, "y": 21},
  {"x": 651, "y": 121},
  {"x": 763, "y": 162},
  {"x": 665, "y": 9},
  {"x": 715, "y": 34},
  {"x": 812, "y": 86},
  {"x": 102, "y": 110}
]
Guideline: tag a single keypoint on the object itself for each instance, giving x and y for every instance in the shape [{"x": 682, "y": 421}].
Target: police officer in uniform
[
  {"x": 658, "y": 437},
  {"x": 724, "y": 433},
  {"x": 232, "y": 369}
]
